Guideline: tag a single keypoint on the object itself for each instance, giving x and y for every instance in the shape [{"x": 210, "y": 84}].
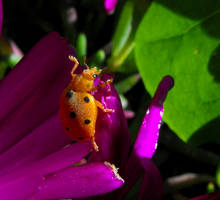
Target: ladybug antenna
[{"x": 84, "y": 62}]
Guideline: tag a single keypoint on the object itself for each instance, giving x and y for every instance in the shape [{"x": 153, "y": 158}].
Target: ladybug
[{"x": 78, "y": 107}]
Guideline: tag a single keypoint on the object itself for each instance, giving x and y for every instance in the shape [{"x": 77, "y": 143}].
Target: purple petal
[
  {"x": 19, "y": 189},
  {"x": 78, "y": 182},
  {"x": 110, "y": 5},
  {"x": 45, "y": 139},
  {"x": 151, "y": 187},
  {"x": 146, "y": 142},
  {"x": 1, "y": 16},
  {"x": 210, "y": 196},
  {"x": 61, "y": 159},
  {"x": 112, "y": 134},
  {"x": 25, "y": 102},
  {"x": 151, "y": 183}
]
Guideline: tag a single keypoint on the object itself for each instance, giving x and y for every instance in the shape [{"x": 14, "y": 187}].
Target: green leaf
[
  {"x": 13, "y": 59},
  {"x": 218, "y": 176},
  {"x": 99, "y": 58},
  {"x": 128, "y": 65},
  {"x": 81, "y": 47},
  {"x": 124, "y": 101},
  {"x": 3, "y": 67},
  {"x": 126, "y": 84},
  {"x": 181, "y": 38},
  {"x": 123, "y": 28},
  {"x": 210, "y": 187},
  {"x": 123, "y": 39}
]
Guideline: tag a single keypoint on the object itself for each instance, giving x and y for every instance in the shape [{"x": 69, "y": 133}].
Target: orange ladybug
[{"x": 78, "y": 108}]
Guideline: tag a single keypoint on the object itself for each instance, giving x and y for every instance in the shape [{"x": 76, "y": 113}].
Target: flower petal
[
  {"x": 210, "y": 196},
  {"x": 112, "y": 134},
  {"x": 76, "y": 182},
  {"x": 146, "y": 142},
  {"x": 1, "y": 17},
  {"x": 45, "y": 69},
  {"x": 110, "y": 5},
  {"x": 20, "y": 189},
  {"x": 152, "y": 182},
  {"x": 45, "y": 139},
  {"x": 61, "y": 159}
]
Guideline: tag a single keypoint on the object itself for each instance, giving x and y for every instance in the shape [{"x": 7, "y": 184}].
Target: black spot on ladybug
[
  {"x": 86, "y": 99},
  {"x": 69, "y": 94},
  {"x": 87, "y": 121},
  {"x": 67, "y": 129},
  {"x": 80, "y": 138},
  {"x": 72, "y": 115}
]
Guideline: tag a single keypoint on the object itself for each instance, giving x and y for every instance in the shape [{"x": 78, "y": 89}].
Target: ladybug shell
[{"x": 78, "y": 114}]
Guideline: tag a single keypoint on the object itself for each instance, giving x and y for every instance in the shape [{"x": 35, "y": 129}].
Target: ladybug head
[{"x": 91, "y": 74}]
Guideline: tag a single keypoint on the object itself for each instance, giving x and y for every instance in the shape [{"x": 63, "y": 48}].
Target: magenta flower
[
  {"x": 36, "y": 156},
  {"x": 110, "y": 5},
  {"x": 209, "y": 196},
  {"x": 1, "y": 16}
]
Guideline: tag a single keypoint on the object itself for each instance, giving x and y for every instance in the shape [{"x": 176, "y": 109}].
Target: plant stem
[{"x": 171, "y": 141}]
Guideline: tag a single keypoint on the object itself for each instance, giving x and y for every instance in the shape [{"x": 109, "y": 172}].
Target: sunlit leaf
[{"x": 182, "y": 38}]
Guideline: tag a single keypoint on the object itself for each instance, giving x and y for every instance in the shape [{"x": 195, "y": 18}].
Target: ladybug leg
[
  {"x": 95, "y": 146},
  {"x": 73, "y": 59},
  {"x": 99, "y": 105},
  {"x": 109, "y": 81}
]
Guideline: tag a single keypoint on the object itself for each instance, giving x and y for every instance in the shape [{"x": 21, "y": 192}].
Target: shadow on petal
[{"x": 25, "y": 102}]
